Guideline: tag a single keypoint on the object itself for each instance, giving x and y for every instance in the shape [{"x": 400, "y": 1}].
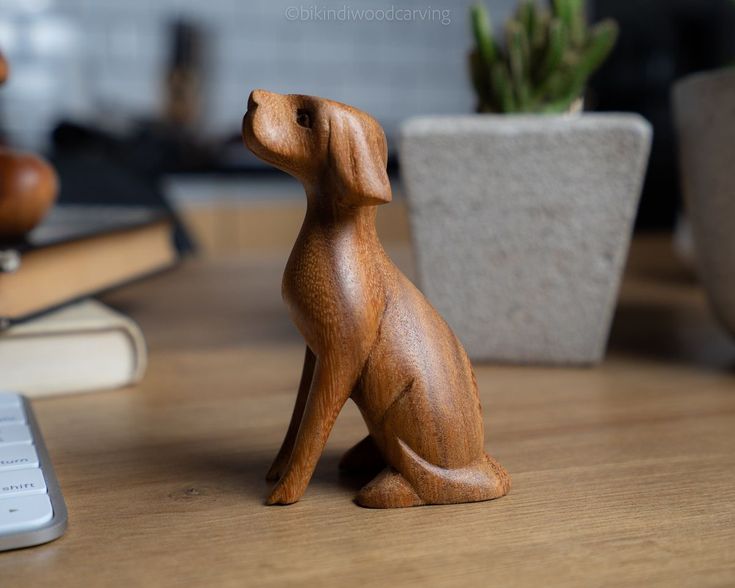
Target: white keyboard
[{"x": 32, "y": 509}]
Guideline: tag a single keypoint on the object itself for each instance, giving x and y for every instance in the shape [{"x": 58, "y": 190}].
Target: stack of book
[{"x": 54, "y": 338}]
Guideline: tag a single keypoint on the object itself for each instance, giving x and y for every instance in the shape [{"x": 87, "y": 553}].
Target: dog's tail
[{"x": 483, "y": 480}]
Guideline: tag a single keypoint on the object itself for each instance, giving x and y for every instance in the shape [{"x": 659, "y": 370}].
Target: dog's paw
[{"x": 282, "y": 494}]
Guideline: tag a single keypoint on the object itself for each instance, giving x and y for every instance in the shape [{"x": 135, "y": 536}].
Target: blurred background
[{"x": 140, "y": 102}]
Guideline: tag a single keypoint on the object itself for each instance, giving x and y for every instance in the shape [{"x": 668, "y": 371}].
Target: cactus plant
[{"x": 545, "y": 60}]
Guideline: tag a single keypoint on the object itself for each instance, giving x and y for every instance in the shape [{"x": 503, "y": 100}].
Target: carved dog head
[{"x": 333, "y": 149}]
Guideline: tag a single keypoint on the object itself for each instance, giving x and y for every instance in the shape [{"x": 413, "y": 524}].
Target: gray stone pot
[
  {"x": 704, "y": 106},
  {"x": 521, "y": 226}
]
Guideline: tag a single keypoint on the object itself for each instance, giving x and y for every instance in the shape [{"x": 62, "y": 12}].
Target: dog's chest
[
  {"x": 306, "y": 272},
  {"x": 312, "y": 280},
  {"x": 326, "y": 286}
]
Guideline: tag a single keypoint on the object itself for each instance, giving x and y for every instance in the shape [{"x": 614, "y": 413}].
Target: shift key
[
  {"x": 21, "y": 483},
  {"x": 11, "y": 434}
]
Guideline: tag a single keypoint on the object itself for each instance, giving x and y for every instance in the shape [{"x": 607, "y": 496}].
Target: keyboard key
[
  {"x": 9, "y": 399},
  {"x": 17, "y": 457},
  {"x": 13, "y": 434},
  {"x": 10, "y": 415},
  {"x": 24, "y": 513},
  {"x": 22, "y": 482}
]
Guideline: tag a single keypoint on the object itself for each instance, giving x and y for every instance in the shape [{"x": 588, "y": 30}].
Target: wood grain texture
[
  {"x": 623, "y": 474},
  {"x": 370, "y": 335}
]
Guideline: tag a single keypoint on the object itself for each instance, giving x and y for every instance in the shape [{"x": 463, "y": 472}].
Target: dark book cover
[{"x": 72, "y": 221}]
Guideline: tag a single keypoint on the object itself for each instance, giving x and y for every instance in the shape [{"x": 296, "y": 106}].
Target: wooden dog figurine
[{"x": 370, "y": 334}]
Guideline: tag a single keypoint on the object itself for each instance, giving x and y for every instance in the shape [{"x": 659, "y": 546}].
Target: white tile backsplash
[{"x": 391, "y": 69}]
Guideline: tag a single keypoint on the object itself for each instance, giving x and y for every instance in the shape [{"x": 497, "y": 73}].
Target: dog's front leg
[
  {"x": 331, "y": 386},
  {"x": 284, "y": 454}
]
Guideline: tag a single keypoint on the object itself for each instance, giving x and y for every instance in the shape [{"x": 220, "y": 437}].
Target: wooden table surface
[{"x": 623, "y": 474}]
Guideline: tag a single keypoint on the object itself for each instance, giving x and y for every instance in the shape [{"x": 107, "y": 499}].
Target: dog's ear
[{"x": 358, "y": 155}]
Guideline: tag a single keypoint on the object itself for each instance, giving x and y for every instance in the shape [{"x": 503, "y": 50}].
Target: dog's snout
[{"x": 258, "y": 97}]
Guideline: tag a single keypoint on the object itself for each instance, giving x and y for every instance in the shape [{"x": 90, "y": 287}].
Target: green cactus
[{"x": 545, "y": 60}]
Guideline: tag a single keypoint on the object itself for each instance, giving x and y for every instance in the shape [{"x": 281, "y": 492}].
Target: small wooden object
[
  {"x": 28, "y": 187},
  {"x": 370, "y": 334}
]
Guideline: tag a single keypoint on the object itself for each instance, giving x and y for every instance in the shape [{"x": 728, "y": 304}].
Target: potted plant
[
  {"x": 704, "y": 109},
  {"x": 522, "y": 214}
]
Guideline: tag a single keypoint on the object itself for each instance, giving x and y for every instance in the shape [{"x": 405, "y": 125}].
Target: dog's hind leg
[
  {"x": 485, "y": 479},
  {"x": 419, "y": 483},
  {"x": 388, "y": 489}
]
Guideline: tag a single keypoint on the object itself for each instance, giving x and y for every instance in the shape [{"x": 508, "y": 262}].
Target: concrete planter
[
  {"x": 704, "y": 106},
  {"x": 521, "y": 226}
]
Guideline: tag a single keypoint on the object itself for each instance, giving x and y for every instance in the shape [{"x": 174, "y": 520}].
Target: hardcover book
[
  {"x": 82, "y": 347},
  {"x": 79, "y": 251}
]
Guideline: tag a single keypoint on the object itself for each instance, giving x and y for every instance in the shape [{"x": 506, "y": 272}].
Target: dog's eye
[{"x": 303, "y": 118}]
